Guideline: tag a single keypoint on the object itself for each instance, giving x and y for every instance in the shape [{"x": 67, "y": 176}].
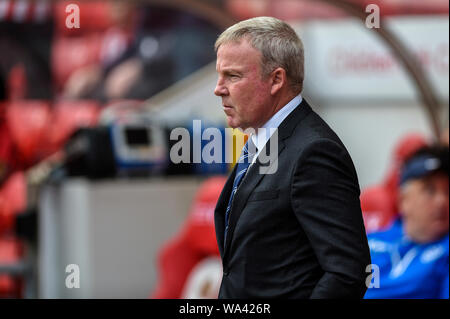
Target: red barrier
[
  {"x": 27, "y": 122},
  {"x": 195, "y": 242},
  {"x": 10, "y": 254}
]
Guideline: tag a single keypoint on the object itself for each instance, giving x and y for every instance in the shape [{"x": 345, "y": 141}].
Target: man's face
[
  {"x": 424, "y": 207},
  {"x": 246, "y": 96}
]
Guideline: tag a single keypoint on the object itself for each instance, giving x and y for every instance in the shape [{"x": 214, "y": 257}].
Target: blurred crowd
[
  {"x": 55, "y": 79},
  {"x": 121, "y": 50}
]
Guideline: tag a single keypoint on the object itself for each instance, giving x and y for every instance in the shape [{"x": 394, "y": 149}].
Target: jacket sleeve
[{"x": 325, "y": 199}]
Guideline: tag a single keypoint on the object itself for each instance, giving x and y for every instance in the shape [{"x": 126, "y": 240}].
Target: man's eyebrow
[{"x": 231, "y": 70}]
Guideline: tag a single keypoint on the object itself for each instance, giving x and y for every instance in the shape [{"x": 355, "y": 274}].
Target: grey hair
[{"x": 278, "y": 43}]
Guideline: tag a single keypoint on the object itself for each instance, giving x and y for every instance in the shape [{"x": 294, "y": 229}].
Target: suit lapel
[
  {"x": 251, "y": 180},
  {"x": 248, "y": 184},
  {"x": 219, "y": 212}
]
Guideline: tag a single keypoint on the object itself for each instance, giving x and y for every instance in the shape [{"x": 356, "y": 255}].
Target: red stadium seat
[
  {"x": 17, "y": 82},
  {"x": 67, "y": 116},
  {"x": 37, "y": 130},
  {"x": 11, "y": 251},
  {"x": 102, "y": 31},
  {"x": 379, "y": 203},
  {"x": 195, "y": 242},
  {"x": 70, "y": 54},
  {"x": 376, "y": 208},
  {"x": 7, "y": 155},
  {"x": 13, "y": 200},
  {"x": 175, "y": 261},
  {"x": 77, "y": 47},
  {"x": 94, "y": 17},
  {"x": 27, "y": 122},
  {"x": 404, "y": 148},
  {"x": 199, "y": 228}
]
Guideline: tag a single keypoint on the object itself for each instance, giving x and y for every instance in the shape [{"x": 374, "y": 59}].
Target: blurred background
[{"x": 86, "y": 115}]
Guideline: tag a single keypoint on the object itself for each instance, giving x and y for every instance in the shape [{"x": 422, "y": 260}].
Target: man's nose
[{"x": 220, "y": 89}]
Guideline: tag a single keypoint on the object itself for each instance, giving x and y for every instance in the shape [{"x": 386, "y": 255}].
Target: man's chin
[
  {"x": 231, "y": 123},
  {"x": 236, "y": 125}
]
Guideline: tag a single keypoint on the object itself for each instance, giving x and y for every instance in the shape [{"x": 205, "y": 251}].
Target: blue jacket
[{"x": 407, "y": 269}]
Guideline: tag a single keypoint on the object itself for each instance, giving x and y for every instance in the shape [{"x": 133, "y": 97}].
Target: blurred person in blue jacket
[{"x": 411, "y": 257}]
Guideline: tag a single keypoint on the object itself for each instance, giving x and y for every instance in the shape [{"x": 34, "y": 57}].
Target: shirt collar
[{"x": 273, "y": 123}]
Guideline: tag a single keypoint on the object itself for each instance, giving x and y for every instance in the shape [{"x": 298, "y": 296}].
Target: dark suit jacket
[{"x": 297, "y": 233}]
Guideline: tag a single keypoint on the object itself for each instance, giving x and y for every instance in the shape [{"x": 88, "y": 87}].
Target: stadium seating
[
  {"x": 35, "y": 130},
  {"x": 77, "y": 47},
  {"x": 11, "y": 251},
  {"x": 28, "y": 123}
]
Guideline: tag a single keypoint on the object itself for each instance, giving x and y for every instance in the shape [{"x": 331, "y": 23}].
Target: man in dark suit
[{"x": 295, "y": 231}]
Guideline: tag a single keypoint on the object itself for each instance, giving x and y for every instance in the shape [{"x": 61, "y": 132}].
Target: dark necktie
[{"x": 246, "y": 158}]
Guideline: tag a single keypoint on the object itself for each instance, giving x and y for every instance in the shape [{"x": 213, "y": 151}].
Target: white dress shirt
[{"x": 260, "y": 140}]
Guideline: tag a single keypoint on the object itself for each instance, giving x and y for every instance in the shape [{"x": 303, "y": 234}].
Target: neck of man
[{"x": 280, "y": 101}]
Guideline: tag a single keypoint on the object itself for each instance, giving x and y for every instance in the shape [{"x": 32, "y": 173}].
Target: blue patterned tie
[{"x": 247, "y": 154}]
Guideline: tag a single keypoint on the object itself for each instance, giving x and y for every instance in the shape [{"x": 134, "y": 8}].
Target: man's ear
[{"x": 279, "y": 80}]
